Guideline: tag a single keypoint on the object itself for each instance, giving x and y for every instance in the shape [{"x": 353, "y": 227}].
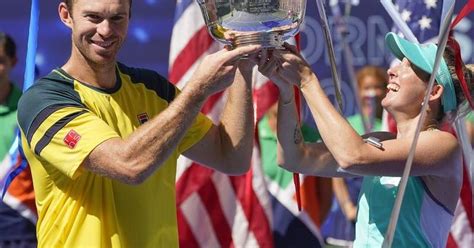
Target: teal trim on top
[{"x": 375, "y": 206}]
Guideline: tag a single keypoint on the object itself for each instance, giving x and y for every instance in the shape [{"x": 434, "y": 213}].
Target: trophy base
[{"x": 267, "y": 40}]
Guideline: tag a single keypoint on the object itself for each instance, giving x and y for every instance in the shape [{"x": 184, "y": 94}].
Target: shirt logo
[
  {"x": 142, "y": 118},
  {"x": 71, "y": 139}
]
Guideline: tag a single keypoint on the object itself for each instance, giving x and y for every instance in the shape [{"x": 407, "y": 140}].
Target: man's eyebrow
[{"x": 100, "y": 13}]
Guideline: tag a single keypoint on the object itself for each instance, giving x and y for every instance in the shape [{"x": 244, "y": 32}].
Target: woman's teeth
[{"x": 393, "y": 87}]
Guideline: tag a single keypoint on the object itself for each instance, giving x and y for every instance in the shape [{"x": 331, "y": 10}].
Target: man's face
[
  {"x": 99, "y": 28},
  {"x": 6, "y": 64}
]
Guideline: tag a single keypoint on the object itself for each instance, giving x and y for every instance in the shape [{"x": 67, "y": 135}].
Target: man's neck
[
  {"x": 5, "y": 88},
  {"x": 101, "y": 76}
]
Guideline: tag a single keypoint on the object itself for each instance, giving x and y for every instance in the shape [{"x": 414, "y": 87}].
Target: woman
[{"x": 434, "y": 185}]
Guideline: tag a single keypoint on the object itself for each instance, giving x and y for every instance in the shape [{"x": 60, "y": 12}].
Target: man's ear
[
  {"x": 64, "y": 14},
  {"x": 436, "y": 92}
]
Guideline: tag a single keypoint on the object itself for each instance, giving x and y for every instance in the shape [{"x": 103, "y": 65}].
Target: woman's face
[{"x": 405, "y": 89}]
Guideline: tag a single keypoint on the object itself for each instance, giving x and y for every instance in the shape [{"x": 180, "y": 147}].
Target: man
[
  {"x": 15, "y": 230},
  {"x": 102, "y": 139}
]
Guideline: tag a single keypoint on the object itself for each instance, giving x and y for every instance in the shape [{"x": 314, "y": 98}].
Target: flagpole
[
  {"x": 342, "y": 29},
  {"x": 330, "y": 48},
  {"x": 32, "y": 45},
  {"x": 442, "y": 40}
]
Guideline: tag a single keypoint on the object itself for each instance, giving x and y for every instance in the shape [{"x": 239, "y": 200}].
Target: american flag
[
  {"x": 424, "y": 19},
  {"x": 216, "y": 210}
]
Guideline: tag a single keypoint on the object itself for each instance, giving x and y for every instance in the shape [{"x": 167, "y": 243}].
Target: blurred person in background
[{"x": 15, "y": 230}]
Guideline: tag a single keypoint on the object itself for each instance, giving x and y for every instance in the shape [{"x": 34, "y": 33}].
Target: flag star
[
  {"x": 431, "y": 4},
  {"x": 406, "y": 15},
  {"x": 425, "y": 23}
]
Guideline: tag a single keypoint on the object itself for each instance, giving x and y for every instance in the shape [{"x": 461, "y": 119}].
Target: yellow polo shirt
[{"x": 62, "y": 120}]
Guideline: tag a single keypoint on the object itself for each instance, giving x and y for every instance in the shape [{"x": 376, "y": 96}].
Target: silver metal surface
[{"x": 241, "y": 22}]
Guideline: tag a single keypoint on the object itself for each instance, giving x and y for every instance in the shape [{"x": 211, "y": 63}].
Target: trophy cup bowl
[{"x": 243, "y": 22}]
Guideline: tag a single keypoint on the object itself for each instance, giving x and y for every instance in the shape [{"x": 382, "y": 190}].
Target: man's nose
[{"x": 104, "y": 28}]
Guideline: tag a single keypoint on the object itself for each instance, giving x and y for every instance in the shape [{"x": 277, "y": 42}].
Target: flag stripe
[
  {"x": 186, "y": 236},
  {"x": 266, "y": 96},
  {"x": 254, "y": 212},
  {"x": 232, "y": 210},
  {"x": 199, "y": 221},
  {"x": 184, "y": 29},
  {"x": 451, "y": 243},
  {"x": 461, "y": 232},
  {"x": 191, "y": 180},
  {"x": 181, "y": 6},
  {"x": 198, "y": 44},
  {"x": 219, "y": 222}
]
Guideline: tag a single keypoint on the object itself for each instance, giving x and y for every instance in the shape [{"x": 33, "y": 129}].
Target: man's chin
[{"x": 102, "y": 59}]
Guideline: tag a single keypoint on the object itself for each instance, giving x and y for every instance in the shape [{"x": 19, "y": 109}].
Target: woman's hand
[
  {"x": 285, "y": 67},
  {"x": 268, "y": 65},
  {"x": 294, "y": 68}
]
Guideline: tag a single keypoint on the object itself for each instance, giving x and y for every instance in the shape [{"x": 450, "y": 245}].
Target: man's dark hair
[
  {"x": 70, "y": 2},
  {"x": 8, "y": 44}
]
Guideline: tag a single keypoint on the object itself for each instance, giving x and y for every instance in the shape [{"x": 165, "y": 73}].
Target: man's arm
[
  {"x": 133, "y": 159},
  {"x": 227, "y": 147}
]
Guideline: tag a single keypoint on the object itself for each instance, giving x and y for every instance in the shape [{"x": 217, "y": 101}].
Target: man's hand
[{"x": 216, "y": 72}]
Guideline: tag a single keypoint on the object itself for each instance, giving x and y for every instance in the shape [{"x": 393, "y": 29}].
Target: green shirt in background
[
  {"x": 8, "y": 123},
  {"x": 268, "y": 146},
  {"x": 358, "y": 125}
]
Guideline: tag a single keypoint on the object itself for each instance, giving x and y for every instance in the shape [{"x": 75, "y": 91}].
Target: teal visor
[{"x": 423, "y": 57}]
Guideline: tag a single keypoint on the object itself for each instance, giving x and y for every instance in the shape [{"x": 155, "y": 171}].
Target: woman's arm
[
  {"x": 293, "y": 154},
  {"x": 436, "y": 150},
  {"x": 297, "y": 156}
]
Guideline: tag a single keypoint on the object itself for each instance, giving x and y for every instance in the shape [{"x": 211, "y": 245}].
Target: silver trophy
[{"x": 242, "y": 22}]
